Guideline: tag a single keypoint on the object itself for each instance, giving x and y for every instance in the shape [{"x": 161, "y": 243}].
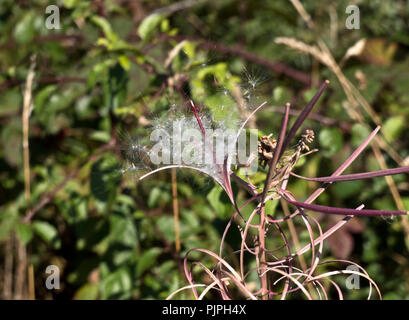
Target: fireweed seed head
[
  {"x": 177, "y": 140},
  {"x": 252, "y": 79},
  {"x": 134, "y": 158},
  {"x": 185, "y": 143},
  {"x": 209, "y": 140},
  {"x": 160, "y": 153}
]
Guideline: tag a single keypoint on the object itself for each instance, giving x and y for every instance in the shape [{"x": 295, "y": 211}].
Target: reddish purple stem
[
  {"x": 344, "y": 211},
  {"x": 357, "y": 176},
  {"x": 303, "y": 115},
  {"x": 197, "y": 118},
  {"x": 273, "y": 162}
]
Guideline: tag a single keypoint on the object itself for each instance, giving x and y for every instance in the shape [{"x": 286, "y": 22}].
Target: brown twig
[
  {"x": 27, "y": 106},
  {"x": 48, "y": 80},
  {"x": 21, "y": 275},
  {"x": 31, "y": 288},
  {"x": 8, "y": 268},
  {"x": 63, "y": 38},
  {"x": 178, "y": 6},
  {"x": 235, "y": 51}
]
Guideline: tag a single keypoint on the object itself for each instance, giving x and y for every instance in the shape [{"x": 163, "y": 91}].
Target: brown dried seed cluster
[
  {"x": 266, "y": 147},
  {"x": 307, "y": 137}
]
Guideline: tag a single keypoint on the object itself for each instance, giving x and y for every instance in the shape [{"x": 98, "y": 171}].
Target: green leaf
[
  {"x": 105, "y": 26},
  {"x": 117, "y": 285},
  {"x": 24, "y": 233},
  {"x": 220, "y": 202},
  {"x": 148, "y": 25},
  {"x": 8, "y": 219},
  {"x": 191, "y": 219},
  {"x": 42, "y": 96},
  {"x": 124, "y": 256},
  {"x": 104, "y": 178},
  {"x": 71, "y": 3},
  {"x": 24, "y": 31},
  {"x": 165, "y": 224},
  {"x": 271, "y": 207},
  {"x": 218, "y": 70},
  {"x": 115, "y": 88},
  {"x": 123, "y": 230},
  {"x": 87, "y": 292},
  {"x": 308, "y": 94},
  {"x": 347, "y": 189},
  {"x": 281, "y": 95},
  {"x": 405, "y": 201},
  {"x": 124, "y": 62},
  {"x": 154, "y": 197},
  {"x": 101, "y": 136},
  {"x": 47, "y": 232},
  {"x": 147, "y": 260},
  {"x": 99, "y": 72},
  {"x": 139, "y": 214},
  {"x": 393, "y": 127},
  {"x": 359, "y": 134},
  {"x": 11, "y": 141},
  {"x": 330, "y": 140},
  {"x": 189, "y": 49}
]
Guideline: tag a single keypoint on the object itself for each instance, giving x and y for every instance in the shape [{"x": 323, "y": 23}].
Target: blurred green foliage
[{"x": 100, "y": 77}]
